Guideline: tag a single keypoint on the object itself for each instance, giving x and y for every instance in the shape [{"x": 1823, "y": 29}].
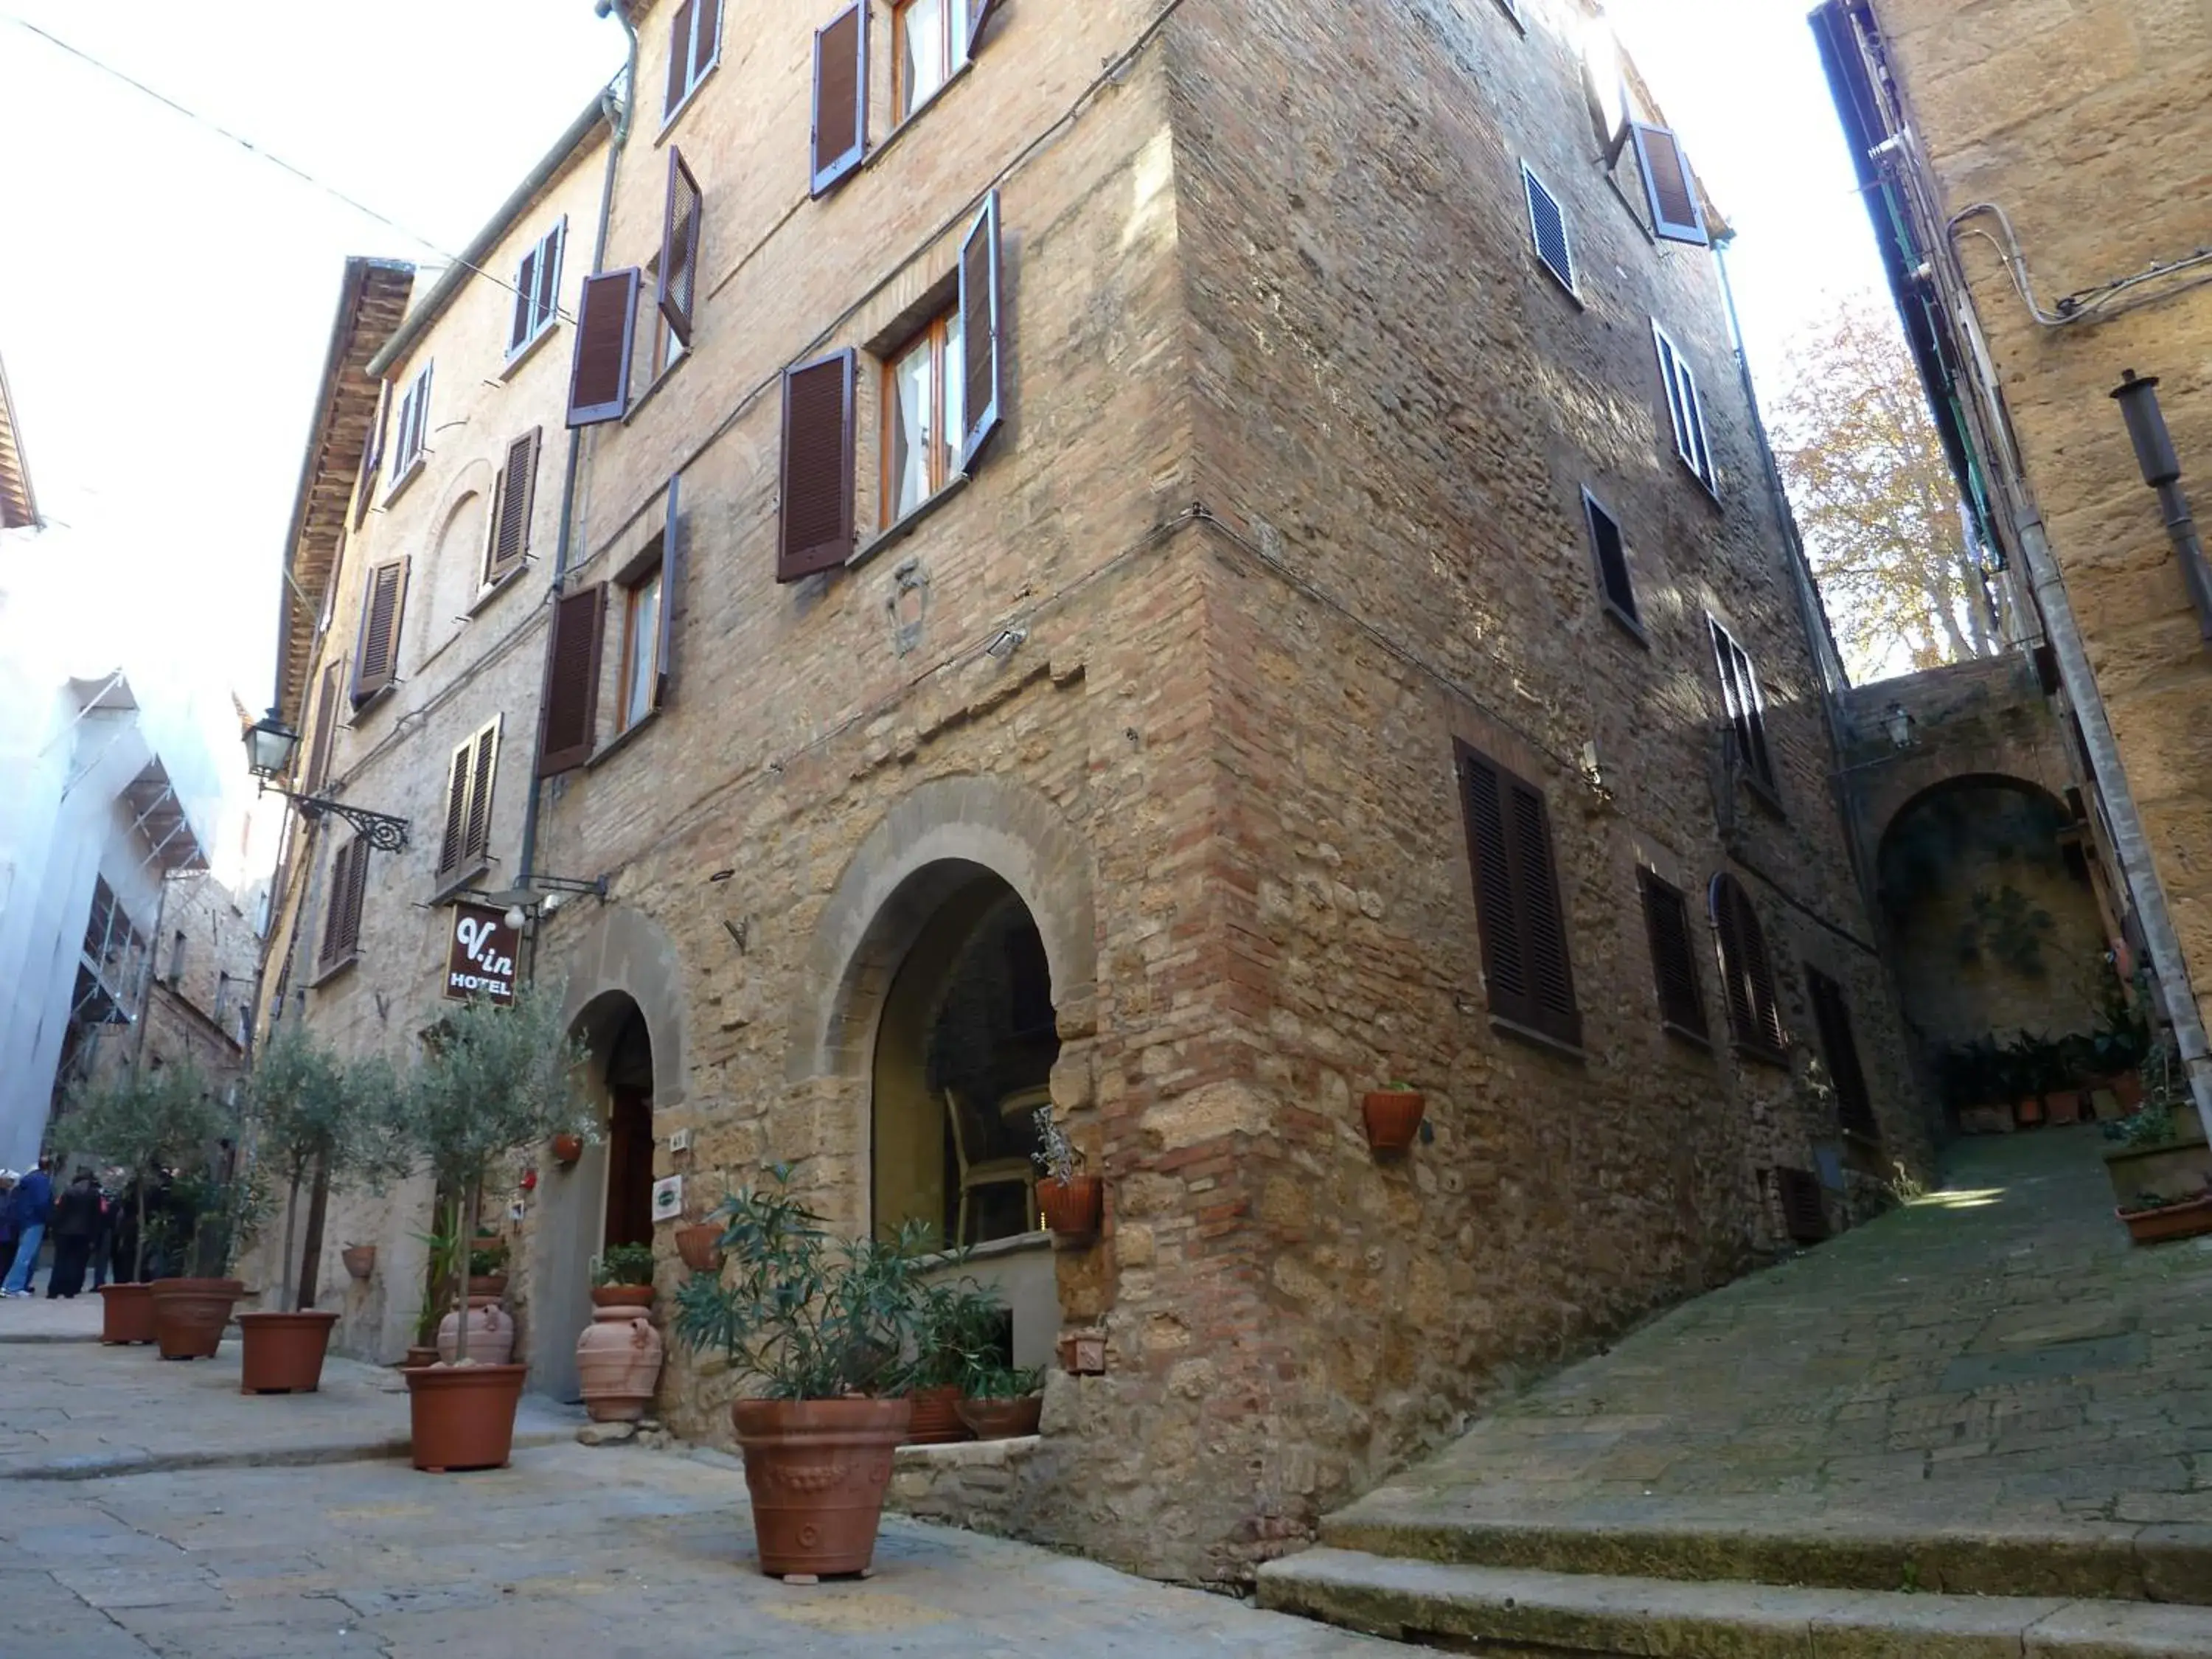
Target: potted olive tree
[
  {"x": 148, "y": 1121},
  {"x": 824, "y": 1326},
  {"x": 314, "y": 1119},
  {"x": 493, "y": 1081}
]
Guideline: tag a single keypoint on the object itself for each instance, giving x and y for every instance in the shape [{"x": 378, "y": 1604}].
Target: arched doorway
[
  {"x": 964, "y": 1050},
  {"x": 1993, "y": 918},
  {"x": 606, "y": 1198}
]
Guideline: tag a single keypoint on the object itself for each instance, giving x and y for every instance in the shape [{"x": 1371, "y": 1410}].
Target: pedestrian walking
[
  {"x": 76, "y": 1223},
  {"x": 8, "y": 1179},
  {"x": 31, "y": 1205}
]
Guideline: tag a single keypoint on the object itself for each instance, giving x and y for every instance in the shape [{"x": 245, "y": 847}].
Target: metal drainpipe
[{"x": 620, "y": 120}]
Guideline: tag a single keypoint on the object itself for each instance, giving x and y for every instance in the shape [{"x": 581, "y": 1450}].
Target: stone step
[
  {"x": 1519, "y": 1613},
  {"x": 2102, "y": 1560}
]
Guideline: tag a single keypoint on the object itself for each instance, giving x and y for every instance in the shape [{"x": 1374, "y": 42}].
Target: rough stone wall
[{"x": 2087, "y": 122}]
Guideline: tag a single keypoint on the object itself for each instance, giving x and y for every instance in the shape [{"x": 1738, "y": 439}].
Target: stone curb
[
  {"x": 1592, "y": 1614},
  {"x": 119, "y": 1464},
  {"x": 27, "y": 1337}
]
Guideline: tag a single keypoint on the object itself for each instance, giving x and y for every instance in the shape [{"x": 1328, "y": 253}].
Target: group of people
[{"x": 93, "y": 1228}]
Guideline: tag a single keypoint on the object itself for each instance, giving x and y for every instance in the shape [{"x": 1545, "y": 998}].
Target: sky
[{"x": 166, "y": 296}]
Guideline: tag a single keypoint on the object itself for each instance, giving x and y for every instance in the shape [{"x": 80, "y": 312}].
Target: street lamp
[
  {"x": 270, "y": 747},
  {"x": 1899, "y": 723}
]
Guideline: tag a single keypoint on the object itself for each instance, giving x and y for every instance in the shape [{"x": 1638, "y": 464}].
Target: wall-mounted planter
[
  {"x": 360, "y": 1261},
  {"x": 566, "y": 1149},
  {"x": 699, "y": 1244},
  {"x": 1072, "y": 1208},
  {"x": 1392, "y": 1117}
]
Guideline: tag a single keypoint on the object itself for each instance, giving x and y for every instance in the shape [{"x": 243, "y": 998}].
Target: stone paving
[
  {"x": 1995, "y": 1361},
  {"x": 617, "y": 1553}
]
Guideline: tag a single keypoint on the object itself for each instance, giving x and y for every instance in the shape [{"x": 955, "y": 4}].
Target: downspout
[{"x": 618, "y": 115}]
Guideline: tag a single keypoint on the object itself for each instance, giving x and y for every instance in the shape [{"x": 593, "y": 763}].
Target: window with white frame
[
  {"x": 1685, "y": 409},
  {"x": 407, "y": 448},
  {"x": 537, "y": 291}
]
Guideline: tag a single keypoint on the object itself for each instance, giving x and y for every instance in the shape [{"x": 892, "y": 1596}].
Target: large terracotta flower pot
[
  {"x": 699, "y": 1244},
  {"x": 1074, "y": 1207},
  {"x": 463, "y": 1416},
  {"x": 817, "y": 1470},
  {"x": 491, "y": 1334},
  {"x": 1003, "y": 1420},
  {"x": 126, "y": 1313},
  {"x": 1392, "y": 1117},
  {"x": 618, "y": 1356},
  {"x": 189, "y": 1315},
  {"x": 488, "y": 1286},
  {"x": 282, "y": 1352},
  {"x": 937, "y": 1417}
]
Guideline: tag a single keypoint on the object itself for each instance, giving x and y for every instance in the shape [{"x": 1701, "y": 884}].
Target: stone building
[
  {"x": 1181, "y": 560},
  {"x": 2037, "y": 178}
]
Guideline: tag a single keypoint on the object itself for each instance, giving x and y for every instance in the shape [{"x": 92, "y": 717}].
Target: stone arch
[
  {"x": 447, "y": 581},
  {"x": 931, "y": 841},
  {"x": 624, "y": 957}
]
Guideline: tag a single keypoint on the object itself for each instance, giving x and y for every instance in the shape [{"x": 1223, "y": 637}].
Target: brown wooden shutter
[
  {"x": 1832, "y": 1015},
  {"x": 671, "y": 557},
  {"x": 679, "y": 247},
  {"x": 1496, "y": 916},
  {"x": 815, "y": 533},
  {"x": 1674, "y": 959},
  {"x": 326, "y": 722},
  {"x": 980, "y": 317},
  {"x": 1669, "y": 191},
  {"x": 606, "y": 328},
  {"x": 1754, "y": 1011},
  {"x": 840, "y": 95},
  {"x": 572, "y": 681},
  {"x": 342, "y": 917},
  {"x": 372, "y": 458},
  {"x": 1517, "y": 900},
  {"x": 517, "y": 493},
  {"x": 679, "y": 56},
  {"x": 376, "y": 662},
  {"x": 551, "y": 253},
  {"x": 978, "y": 13},
  {"x": 457, "y": 811},
  {"x": 476, "y": 839},
  {"x": 1551, "y": 978}
]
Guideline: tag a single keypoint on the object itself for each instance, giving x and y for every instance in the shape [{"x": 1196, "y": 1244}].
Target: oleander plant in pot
[
  {"x": 959, "y": 1325},
  {"x": 314, "y": 1119},
  {"x": 1002, "y": 1402},
  {"x": 493, "y": 1081},
  {"x": 618, "y": 1356},
  {"x": 823, "y": 1327},
  {"x": 148, "y": 1122}
]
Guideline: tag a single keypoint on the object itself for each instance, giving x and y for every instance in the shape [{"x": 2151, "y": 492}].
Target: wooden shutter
[
  {"x": 815, "y": 533},
  {"x": 1612, "y": 558},
  {"x": 1547, "y": 222},
  {"x": 484, "y": 759},
  {"x": 376, "y": 662},
  {"x": 342, "y": 916},
  {"x": 457, "y": 809},
  {"x": 1832, "y": 1015},
  {"x": 606, "y": 328},
  {"x": 679, "y": 56},
  {"x": 1747, "y": 971},
  {"x": 679, "y": 247},
  {"x": 1673, "y": 960},
  {"x": 980, "y": 316},
  {"x": 572, "y": 681},
  {"x": 840, "y": 95},
  {"x": 326, "y": 722},
  {"x": 978, "y": 13},
  {"x": 372, "y": 458},
  {"x": 1516, "y": 898},
  {"x": 516, "y": 492},
  {"x": 670, "y": 568},
  {"x": 1745, "y": 707},
  {"x": 1669, "y": 191}
]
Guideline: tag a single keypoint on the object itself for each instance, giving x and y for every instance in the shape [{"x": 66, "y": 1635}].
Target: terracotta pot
[
  {"x": 126, "y": 1313},
  {"x": 1072, "y": 1208},
  {"x": 2127, "y": 1089},
  {"x": 463, "y": 1416},
  {"x": 2168, "y": 1221},
  {"x": 699, "y": 1244},
  {"x": 359, "y": 1260},
  {"x": 2028, "y": 1110},
  {"x": 1003, "y": 1420},
  {"x": 283, "y": 1351},
  {"x": 621, "y": 1296},
  {"x": 817, "y": 1470},
  {"x": 491, "y": 1334},
  {"x": 420, "y": 1354},
  {"x": 189, "y": 1315},
  {"x": 2065, "y": 1106},
  {"x": 937, "y": 1417},
  {"x": 1393, "y": 1117},
  {"x": 618, "y": 1357},
  {"x": 490, "y": 1287},
  {"x": 566, "y": 1149}
]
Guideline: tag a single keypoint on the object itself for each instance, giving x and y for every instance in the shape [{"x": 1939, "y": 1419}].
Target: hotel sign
[{"x": 480, "y": 954}]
